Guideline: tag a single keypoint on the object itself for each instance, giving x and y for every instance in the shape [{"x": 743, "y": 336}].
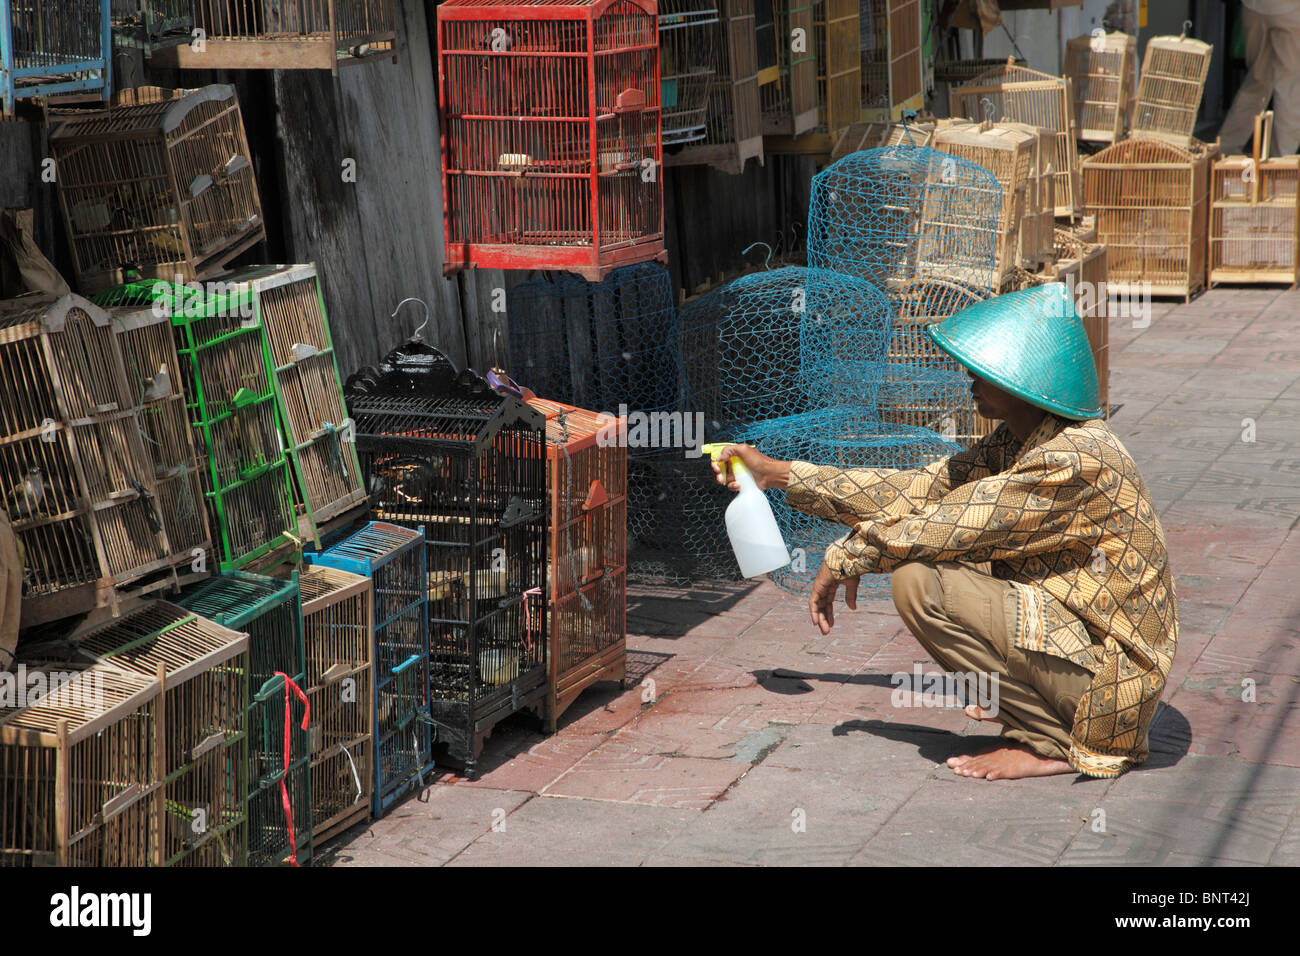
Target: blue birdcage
[
  {"x": 394, "y": 558},
  {"x": 54, "y": 49}
]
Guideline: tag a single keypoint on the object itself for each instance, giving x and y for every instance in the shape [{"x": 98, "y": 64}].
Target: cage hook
[
  {"x": 423, "y": 325},
  {"x": 990, "y": 111},
  {"x": 1187, "y": 28},
  {"x": 767, "y": 263}
]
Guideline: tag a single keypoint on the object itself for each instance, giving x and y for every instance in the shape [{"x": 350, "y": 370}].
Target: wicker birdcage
[
  {"x": 338, "y": 633},
  {"x": 1172, "y": 82},
  {"x": 157, "y": 189},
  {"x": 469, "y": 467},
  {"x": 550, "y": 135},
  {"x": 1151, "y": 203},
  {"x": 1101, "y": 70},
  {"x": 733, "y": 123},
  {"x": 1021, "y": 95},
  {"x": 690, "y": 53},
  {"x": 1082, "y": 266},
  {"x": 50, "y": 49},
  {"x": 838, "y": 78},
  {"x": 892, "y": 69},
  {"x": 394, "y": 560},
  {"x": 873, "y": 135},
  {"x": 1255, "y": 215},
  {"x": 78, "y": 482},
  {"x": 962, "y": 71},
  {"x": 270, "y": 612},
  {"x": 787, "y": 92},
  {"x": 284, "y": 35},
  {"x": 200, "y": 748},
  {"x": 586, "y": 479},
  {"x": 597, "y": 345}
]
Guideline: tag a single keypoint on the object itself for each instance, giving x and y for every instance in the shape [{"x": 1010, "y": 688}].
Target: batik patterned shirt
[{"x": 1066, "y": 518}]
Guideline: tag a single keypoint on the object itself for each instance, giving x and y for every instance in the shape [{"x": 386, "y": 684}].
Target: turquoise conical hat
[{"x": 1030, "y": 343}]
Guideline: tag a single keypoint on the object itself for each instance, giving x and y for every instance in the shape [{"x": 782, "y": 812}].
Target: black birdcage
[{"x": 443, "y": 452}]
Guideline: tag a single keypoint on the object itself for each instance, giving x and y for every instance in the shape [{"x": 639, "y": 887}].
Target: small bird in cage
[
  {"x": 158, "y": 385},
  {"x": 25, "y": 498}
]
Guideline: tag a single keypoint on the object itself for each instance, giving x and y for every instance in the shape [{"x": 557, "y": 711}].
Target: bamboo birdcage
[
  {"x": 586, "y": 478},
  {"x": 733, "y": 122},
  {"x": 50, "y": 49},
  {"x": 157, "y": 189},
  {"x": 1151, "y": 202},
  {"x": 285, "y": 35},
  {"x": 1100, "y": 68},
  {"x": 551, "y": 137},
  {"x": 873, "y": 135},
  {"x": 838, "y": 71},
  {"x": 690, "y": 52},
  {"x": 338, "y": 634},
  {"x": 1009, "y": 152},
  {"x": 1082, "y": 266},
  {"x": 892, "y": 68},
  {"x": 1255, "y": 215},
  {"x": 1172, "y": 82},
  {"x": 788, "y": 92},
  {"x": 1019, "y": 94}
]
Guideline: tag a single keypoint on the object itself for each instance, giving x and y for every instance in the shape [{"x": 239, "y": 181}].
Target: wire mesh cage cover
[
  {"x": 338, "y": 634},
  {"x": 1255, "y": 215},
  {"x": 202, "y": 745},
  {"x": 901, "y": 213},
  {"x": 690, "y": 54},
  {"x": 1170, "y": 87},
  {"x": 1151, "y": 203},
  {"x": 269, "y": 610},
  {"x": 586, "y": 480},
  {"x": 54, "y": 49},
  {"x": 395, "y": 561},
  {"x": 733, "y": 123},
  {"x": 892, "y": 70},
  {"x": 787, "y": 94},
  {"x": 551, "y": 134},
  {"x": 597, "y": 345},
  {"x": 1101, "y": 71},
  {"x": 284, "y": 34},
  {"x": 159, "y": 189},
  {"x": 1021, "y": 95},
  {"x": 469, "y": 467}
]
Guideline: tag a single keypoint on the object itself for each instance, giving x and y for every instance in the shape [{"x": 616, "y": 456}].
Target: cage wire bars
[
  {"x": 690, "y": 52},
  {"x": 49, "y": 49}
]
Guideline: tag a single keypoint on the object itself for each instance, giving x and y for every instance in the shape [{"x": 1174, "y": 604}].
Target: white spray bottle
[{"x": 755, "y": 537}]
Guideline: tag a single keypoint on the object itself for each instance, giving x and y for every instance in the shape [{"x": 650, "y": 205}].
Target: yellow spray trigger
[{"x": 714, "y": 449}]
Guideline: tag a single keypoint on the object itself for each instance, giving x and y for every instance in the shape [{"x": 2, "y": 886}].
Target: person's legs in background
[
  {"x": 1239, "y": 125},
  {"x": 1284, "y": 44}
]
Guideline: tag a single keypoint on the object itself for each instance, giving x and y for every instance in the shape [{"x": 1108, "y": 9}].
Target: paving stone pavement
[{"x": 749, "y": 739}]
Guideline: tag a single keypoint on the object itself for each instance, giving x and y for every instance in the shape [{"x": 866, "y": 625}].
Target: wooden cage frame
[
  {"x": 690, "y": 54},
  {"x": 873, "y": 135},
  {"x": 1100, "y": 68},
  {"x": 41, "y": 73},
  {"x": 1170, "y": 88},
  {"x": 788, "y": 93},
  {"x": 892, "y": 60},
  {"x": 1081, "y": 264},
  {"x": 839, "y": 81}
]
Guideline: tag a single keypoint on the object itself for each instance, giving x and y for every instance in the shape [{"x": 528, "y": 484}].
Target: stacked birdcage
[
  {"x": 1021, "y": 95},
  {"x": 787, "y": 92},
  {"x": 1008, "y": 151},
  {"x": 78, "y": 483},
  {"x": 153, "y": 24},
  {"x": 338, "y": 626},
  {"x": 157, "y": 189},
  {"x": 1172, "y": 82},
  {"x": 733, "y": 124},
  {"x": 597, "y": 345},
  {"x": 892, "y": 71},
  {"x": 285, "y": 35},
  {"x": 469, "y": 467},
  {"x": 550, "y": 134},
  {"x": 1255, "y": 214},
  {"x": 1082, "y": 266},
  {"x": 1101, "y": 70},
  {"x": 144, "y": 337},
  {"x": 690, "y": 42},
  {"x": 836, "y": 30},
  {"x": 270, "y": 612},
  {"x": 1151, "y": 203},
  {"x": 394, "y": 559},
  {"x": 202, "y": 669},
  {"x": 586, "y": 480},
  {"x": 54, "y": 49}
]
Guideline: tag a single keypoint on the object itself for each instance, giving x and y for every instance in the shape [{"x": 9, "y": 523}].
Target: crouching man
[{"x": 1035, "y": 555}]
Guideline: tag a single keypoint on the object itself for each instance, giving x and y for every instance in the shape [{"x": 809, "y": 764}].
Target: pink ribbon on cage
[
  {"x": 284, "y": 780},
  {"x": 528, "y": 620}
]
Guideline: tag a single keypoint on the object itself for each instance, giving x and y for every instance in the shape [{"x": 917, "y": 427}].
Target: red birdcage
[{"x": 551, "y": 142}]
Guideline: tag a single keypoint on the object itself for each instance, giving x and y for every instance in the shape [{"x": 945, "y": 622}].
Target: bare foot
[
  {"x": 1011, "y": 762},
  {"x": 975, "y": 712}
]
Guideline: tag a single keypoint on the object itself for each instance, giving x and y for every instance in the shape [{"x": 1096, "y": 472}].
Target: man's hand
[
  {"x": 821, "y": 604},
  {"x": 767, "y": 472}
]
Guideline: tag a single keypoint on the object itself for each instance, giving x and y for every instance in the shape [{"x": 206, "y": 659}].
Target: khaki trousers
[
  {"x": 964, "y": 618},
  {"x": 1273, "y": 57},
  {"x": 11, "y": 592}
]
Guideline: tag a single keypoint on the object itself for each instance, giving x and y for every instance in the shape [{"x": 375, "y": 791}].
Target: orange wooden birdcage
[{"x": 551, "y": 139}]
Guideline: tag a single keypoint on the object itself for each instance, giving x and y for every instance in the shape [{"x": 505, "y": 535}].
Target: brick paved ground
[{"x": 758, "y": 722}]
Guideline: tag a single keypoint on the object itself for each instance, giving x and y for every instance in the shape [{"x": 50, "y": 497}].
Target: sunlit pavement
[{"x": 747, "y": 738}]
